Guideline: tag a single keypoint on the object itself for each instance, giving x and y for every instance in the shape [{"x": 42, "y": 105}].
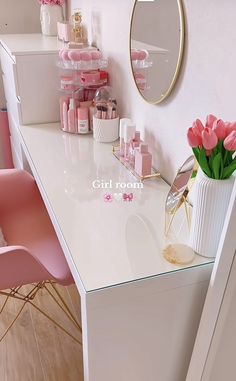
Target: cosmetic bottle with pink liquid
[
  {"x": 83, "y": 120},
  {"x": 143, "y": 161},
  {"x": 72, "y": 116},
  {"x": 129, "y": 133},
  {"x": 135, "y": 143}
]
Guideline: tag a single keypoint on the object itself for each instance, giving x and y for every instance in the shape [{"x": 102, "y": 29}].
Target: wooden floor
[{"x": 35, "y": 349}]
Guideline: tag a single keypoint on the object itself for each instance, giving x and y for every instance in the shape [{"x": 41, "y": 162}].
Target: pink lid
[
  {"x": 139, "y": 76},
  {"x": 66, "y": 78},
  {"x": 134, "y": 54},
  {"x": 96, "y": 55},
  {"x": 60, "y": 53},
  {"x": 142, "y": 55},
  {"x": 64, "y": 55},
  {"x": 143, "y": 148},
  {"x": 74, "y": 55},
  {"x": 137, "y": 136},
  {"x": 85, "y": 56},
  {"x": 82, "y": 113}
]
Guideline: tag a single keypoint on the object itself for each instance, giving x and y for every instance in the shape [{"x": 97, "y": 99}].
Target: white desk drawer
[
  {"x": 33, "y": 79},
  {"x": 38, "y": 82},
  {"x": 9, "y": 70}
]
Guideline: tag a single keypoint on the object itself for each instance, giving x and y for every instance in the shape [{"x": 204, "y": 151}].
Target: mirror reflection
[{"x": 156, "y": 46}]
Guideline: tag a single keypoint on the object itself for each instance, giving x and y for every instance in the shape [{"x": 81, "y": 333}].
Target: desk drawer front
[
  {"x": 13, "y": 104},
  {"x": 9, "y": 72},
  {"x": 38, "y": 82}
]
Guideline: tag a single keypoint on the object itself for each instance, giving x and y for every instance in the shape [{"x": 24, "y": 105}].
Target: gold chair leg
[
  {"x": 4, "y": 304},
  {"x": 53, "y": 321},
  {"x": 28, "y": 298},
  {"x": 10, "y": 326},
  {"x": 66, "y": 308},
  {"x": 8, "y": 296}
]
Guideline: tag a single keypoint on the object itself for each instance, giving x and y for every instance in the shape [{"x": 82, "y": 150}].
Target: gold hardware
[
  {"x": 169, "y": 217},
  {"x": 116, "y": 153}
]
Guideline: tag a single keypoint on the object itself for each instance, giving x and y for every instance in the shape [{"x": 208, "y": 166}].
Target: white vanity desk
[{"x": 139, "y": 313}]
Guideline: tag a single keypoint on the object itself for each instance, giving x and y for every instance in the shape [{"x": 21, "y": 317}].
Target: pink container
[{"x": 5, "y": 145}]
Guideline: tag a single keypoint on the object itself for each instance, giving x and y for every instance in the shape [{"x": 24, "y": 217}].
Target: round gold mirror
[{"x": 156, "y": 46}]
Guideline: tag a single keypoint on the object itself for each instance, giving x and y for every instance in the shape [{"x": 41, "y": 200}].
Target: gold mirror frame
[
  {"x": 180, "y": 56},
  {"x": 178, "y": 193}
]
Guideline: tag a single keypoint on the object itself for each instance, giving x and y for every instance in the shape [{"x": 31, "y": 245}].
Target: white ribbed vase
[
  {"x": 210, "y": 204},
  {"x": 49, "y": 16}
]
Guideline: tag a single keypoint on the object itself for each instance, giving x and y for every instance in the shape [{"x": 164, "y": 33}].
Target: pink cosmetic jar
[
  {"x": 140, "y": 80},
  {"x": 74, "y": 55},
  {"x": 134, "y": 54},
  {"x": 143, "y": 55},
  {"x": 90, "y": 77},
  {"x": 67, "y": 83}
]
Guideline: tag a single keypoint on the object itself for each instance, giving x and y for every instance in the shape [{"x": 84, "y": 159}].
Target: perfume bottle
[
  {"x": 123, "y": 122},
  {"x": 129, "y": 133},
  {"x": 72, "y": 116},
  {"x": 77, "y": 28},
  {"x": 134, "y": 144},
  {"x": 143, "y": 161}
]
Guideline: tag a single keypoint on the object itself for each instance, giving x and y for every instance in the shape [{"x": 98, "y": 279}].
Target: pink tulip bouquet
[
  {"x": 214, "y": 146},
  {"x": 51, "y": 2}
]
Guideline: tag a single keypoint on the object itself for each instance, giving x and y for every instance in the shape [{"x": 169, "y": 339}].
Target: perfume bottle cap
[
  {"x": 129, "y": 132},
  {"x": 137, "y": 136},
  {"x": 143, "y": 148},
  {"x": 123, "y": 122}
]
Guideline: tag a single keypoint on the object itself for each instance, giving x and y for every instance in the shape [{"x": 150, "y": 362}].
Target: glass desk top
[{"x": 112, "y": 228}]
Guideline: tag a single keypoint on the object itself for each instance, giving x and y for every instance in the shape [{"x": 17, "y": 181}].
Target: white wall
[
  {"x": 207, "y": 83},
  {"x": 18, "y": 16}
]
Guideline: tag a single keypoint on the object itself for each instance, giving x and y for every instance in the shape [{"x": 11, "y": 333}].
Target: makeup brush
[
  {"x": 99, "y": 112},
  {"x": 104, "y": 112},
  {"x": 114, "y": 114}
]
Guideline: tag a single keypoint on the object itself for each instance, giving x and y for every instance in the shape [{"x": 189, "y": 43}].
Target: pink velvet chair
[{"x": 33, "y": 254}]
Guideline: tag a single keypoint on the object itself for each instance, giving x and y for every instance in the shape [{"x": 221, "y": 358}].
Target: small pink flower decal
[
  {"x": 108, "y": 197},
  {"x": 128, "y": 197}
]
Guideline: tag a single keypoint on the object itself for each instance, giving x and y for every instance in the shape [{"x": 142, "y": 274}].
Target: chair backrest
[
  {"x": 17, "y": 187},
  {"x": 26, "y": 224},
  {"x": 19, "y": 267}
]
